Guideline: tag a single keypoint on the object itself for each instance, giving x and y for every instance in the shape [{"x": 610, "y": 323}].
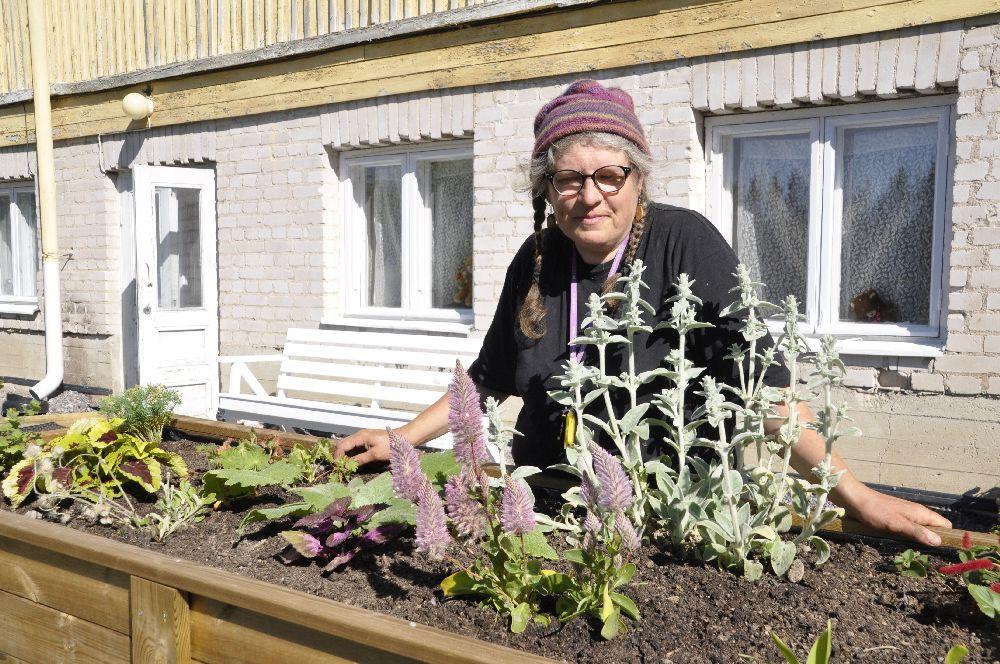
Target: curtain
[
  {"x": 771, "y": 210},
  {"x": 6, "y": 248},
  {"x": 383, "y": 215},
  {"x": 888, "y": 223},
  {"x": 27, "y": 250},
  {"x": 451, "y": 199}
]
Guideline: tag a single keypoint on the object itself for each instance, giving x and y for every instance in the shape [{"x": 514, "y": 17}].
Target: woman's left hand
[{"x": 895, "y": 515}]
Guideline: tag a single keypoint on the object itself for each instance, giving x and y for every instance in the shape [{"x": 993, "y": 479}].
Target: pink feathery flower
[
  {"x": 630, "y": 538},
  {"x": 615, "y": 491},
  {"x": 591, "y": 529},
  {"x": 432, "y": 536},
  {"x": 970, "y": 566},
  {"x": 587, "y": 492},
  {"x": 465, "y": 419},
  {"x": 966, "y": 540},
  {"x": 408, "y": 479},
  {"x": 466, "y": 513},
  {"x": 517, "y": 514}
]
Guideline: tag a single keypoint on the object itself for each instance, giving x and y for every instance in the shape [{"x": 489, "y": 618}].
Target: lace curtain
[
  {"x": 383, "y": 214},
  {"x": 771, "y": 210},
  {"x": 178, "y": 232},
  {"x": 451, "y": 201},
  {"x": 6, "y": 248},
  {"x": 28, "y": 240},
  {"x": 888, "y": 223}
]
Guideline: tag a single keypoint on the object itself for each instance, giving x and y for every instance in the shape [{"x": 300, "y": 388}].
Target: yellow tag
[{"x": 569, "y": 428}]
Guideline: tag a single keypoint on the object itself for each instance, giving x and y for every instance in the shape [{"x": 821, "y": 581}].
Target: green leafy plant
[
  {"x": 144, "y": 410},
  {"x": 957, "y": 654},
  {"x": 244, "y": 468},
  {"x": 13, "y": 438},
  {"x": 818, "y": 654},
  {"x": 93, "y": 459},
  {"x": 723, "y": 510},
  {"x": 912, "y": 563},
  {"x": 176, "y": 508}
]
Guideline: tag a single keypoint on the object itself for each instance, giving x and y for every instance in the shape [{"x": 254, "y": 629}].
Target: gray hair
[{"x": 541, "y": 165}]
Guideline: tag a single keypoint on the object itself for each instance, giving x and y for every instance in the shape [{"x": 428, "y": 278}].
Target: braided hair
[{"x": 532, "y": 317}]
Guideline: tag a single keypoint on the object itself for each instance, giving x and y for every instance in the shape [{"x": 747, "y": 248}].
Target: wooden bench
[{"x": 339, "y": 381}]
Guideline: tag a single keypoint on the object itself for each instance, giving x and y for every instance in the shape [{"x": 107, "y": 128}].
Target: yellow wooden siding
[{"x": 93, "y": 38}]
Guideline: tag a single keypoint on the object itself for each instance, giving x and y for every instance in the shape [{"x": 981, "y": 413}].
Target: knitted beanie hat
[{"x": 585, "y": 106}]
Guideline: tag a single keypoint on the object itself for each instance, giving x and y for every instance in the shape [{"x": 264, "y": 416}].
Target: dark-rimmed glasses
[{"x": 607, "y": 179}]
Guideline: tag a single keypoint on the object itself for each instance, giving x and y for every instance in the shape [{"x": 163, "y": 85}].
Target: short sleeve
[
  {"x": 708, "y": 259},
  {"x": 495, "y": 367}
]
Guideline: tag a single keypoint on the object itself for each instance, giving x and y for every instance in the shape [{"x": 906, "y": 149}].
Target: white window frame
[
  {"x": 415, "y": 311},
  {"x": 18, "y": 303},
  {"x": 825, "y": 127}
]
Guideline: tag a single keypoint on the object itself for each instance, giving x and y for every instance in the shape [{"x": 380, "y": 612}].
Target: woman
[{"x": 589, "y": 169}]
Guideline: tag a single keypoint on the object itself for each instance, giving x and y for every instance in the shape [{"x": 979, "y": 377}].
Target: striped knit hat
[{"x": 587, "y": 105}]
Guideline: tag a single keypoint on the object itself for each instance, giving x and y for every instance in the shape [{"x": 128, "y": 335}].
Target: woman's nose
[{"x": 590, "y": 194}]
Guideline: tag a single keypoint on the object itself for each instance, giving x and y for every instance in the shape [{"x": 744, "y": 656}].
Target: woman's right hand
[{"x": 373, "y": 442}]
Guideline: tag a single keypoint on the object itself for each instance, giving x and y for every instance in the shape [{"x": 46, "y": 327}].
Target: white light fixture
[{"x": 137, "y": 106}]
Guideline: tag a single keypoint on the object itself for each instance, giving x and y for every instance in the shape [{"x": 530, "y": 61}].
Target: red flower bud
[
  {"x": 966, "y": 540},
  {"x": 970, "y": 566},
  {"x": 995, "y": 587}
]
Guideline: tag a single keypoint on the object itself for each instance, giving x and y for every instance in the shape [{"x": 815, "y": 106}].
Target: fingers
[
  {"x": 348, "y": 444},
  {"x": 365, "y": 457}
]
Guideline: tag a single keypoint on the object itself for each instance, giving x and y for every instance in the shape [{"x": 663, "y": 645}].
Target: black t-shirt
[{"x": 674, "y": 240}]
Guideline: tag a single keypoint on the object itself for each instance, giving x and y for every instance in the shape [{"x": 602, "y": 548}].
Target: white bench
[{"x": 339, "y": 381}]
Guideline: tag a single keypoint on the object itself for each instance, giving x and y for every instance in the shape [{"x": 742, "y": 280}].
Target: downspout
[{"x": 46, "y": 202}]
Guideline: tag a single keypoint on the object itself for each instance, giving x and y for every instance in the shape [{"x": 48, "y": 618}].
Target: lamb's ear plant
[
  {"x": 486, "y": 526},
  {"x": 719, "y": 508},
  {"x": 176, "y": 508},
  {"x": 820, "y": 652},
  {"x": 144, "y": 410}
]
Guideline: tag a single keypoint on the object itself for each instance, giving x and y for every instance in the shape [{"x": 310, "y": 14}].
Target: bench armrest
[{"x": 239, "y": 372}]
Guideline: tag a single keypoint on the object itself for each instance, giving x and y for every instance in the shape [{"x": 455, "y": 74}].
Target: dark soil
[{"x": 690, "y": 613}]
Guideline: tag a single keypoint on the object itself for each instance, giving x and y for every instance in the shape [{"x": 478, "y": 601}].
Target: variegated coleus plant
[{"x": 718, "y": 510}]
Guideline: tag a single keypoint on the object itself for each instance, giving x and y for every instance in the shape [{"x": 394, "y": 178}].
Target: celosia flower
[
  {"x": 587, "y": 492},
  {"x": 615, "y": 491},
  {"x": 970, "y": 566},
  {"x": 966, "y": 540},
  {"x": 630, "y": 538},
  {"x": 465, "y": 419},
  {"x": 995, "y": 587},
  {"x": 432, "y": 535},
  {"x": 591, "y": 529},
  {"x": 408, "y": 479},
  {"x": 466, "y": 513},
  {"x": 517, "y": 514}
]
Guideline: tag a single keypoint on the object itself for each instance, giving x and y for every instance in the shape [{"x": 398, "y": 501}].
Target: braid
[
  {"x": 638, "y": 225},
  {"x": 532, "y": 316}
]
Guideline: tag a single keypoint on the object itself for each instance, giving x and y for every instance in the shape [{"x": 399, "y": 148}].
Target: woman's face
[{"x": 595, "y": 221}]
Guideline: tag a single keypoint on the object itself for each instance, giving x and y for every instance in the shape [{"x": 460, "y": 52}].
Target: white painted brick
[
  {"x": 985, "y": 279},
  {"x": 672, "y": 95},
  {"x": 991, "y": 101},
  {"x": 986, "y": 236},
  {"x": 965, "y": 302},
  {"x": 993, "y": 301},
  {"x": 927, "y": 382},
  {"x": 975, "y": 170},
  {"x": 966, "y": 104},
  {"x": 964, "y": 343},
  {"x": 966, "y": 258},
  {"x": 965, "y": 215},
  {"x": 956, "y": 323},
  {"x": 860, "y": 377},
  {"x": 973, "y": 80},
  {"x": 978, "y": 37},
  {"x": 964, "y": 385},
  {"x": 993, "y": 385},
  {"x": 989, "y": 148},
  {"x": 958, "y": 278},
  {"x": 972, "y": 126},
  {"x": 970, "y": 61},
  {"x": 984, "y": 322},
  {"x": 991, "y": 344}
]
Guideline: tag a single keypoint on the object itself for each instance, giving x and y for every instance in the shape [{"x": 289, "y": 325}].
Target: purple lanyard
[{"x": 576, "y": 352}]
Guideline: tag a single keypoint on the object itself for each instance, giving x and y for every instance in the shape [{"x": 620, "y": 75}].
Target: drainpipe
[{"x": 46, "y": 202}]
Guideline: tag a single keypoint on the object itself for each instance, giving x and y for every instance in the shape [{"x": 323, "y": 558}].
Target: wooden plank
[
  {"x": 511, "y": 58},
  {"x": 223, "y": 430},
  {"x": 385, "y": 633},
  {"x": 75, "y": 587},
  {"x": 10, "y": 659},
  {"x": 230, "y": 635},
  {"x": 161, "y": 624},
  {"x": 28, "y": 629}
]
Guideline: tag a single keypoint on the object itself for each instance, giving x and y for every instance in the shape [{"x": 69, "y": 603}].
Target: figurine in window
[
  {"x": 463, "y": 284},
  {"x": 869, "y": 307}
]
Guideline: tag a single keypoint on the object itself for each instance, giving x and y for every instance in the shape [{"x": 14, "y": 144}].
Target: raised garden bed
[{"x": 205, "y": 595}]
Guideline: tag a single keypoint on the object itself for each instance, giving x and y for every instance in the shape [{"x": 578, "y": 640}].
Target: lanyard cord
[{"x": 576, "y": 352}]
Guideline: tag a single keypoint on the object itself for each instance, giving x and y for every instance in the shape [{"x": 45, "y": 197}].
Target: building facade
[{"x": 374, "y": 176}]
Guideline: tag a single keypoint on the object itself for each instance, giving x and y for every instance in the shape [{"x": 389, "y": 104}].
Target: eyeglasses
[{"x": 607, "y": 179}]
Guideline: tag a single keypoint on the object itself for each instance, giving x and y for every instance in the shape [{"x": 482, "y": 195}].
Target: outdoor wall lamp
[{"x": 137, "y": 106}]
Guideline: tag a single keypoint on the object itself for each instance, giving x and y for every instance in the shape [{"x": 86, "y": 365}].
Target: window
[
  {"x": 408, "y": 234},
  {"x": 843, "y": 210},
  {"x": 18, "y": 249}
]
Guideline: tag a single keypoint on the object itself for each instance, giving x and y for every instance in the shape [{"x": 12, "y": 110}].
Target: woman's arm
[
  {"x": 863, "y": 503},
  {"x": 431, "y": 423}
]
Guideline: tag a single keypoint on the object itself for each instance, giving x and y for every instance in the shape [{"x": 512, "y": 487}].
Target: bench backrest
[{"x": 374, "y": 369}]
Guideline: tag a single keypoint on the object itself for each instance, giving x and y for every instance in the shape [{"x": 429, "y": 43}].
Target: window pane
[
  {"x": 888, "y": 223},
  {"x": 6, "y": 248},
  {"x": 178, "y": 252},
  {"x": 382, "y": 207},
  {"x": 27, "y": 251},
  {"x": 451, "y": 212},
  {"x": 771, "y": 211}
]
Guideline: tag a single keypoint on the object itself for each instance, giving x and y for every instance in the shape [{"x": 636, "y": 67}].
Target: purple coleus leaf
[
  {"x": 138, "y": 469},
  {"x": 305, "y": 544},
  {"x": 63, "y": 476},
  {"x": 340, "y": 560},
  {"x": 335, "y": 514},
  {"x": 25, "y": 477},
  {"x": 382, "y": 534},
  {"x": 337, "y": 538}
]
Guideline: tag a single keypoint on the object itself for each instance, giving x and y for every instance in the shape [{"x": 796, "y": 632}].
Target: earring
[
  {"x": 550, "y": 220},
  {"x": 640, "y": 212}
]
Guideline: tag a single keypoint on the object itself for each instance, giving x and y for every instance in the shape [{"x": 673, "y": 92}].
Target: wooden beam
[
  {"x": 379, "y": 631},
  {"x": 28, "y": 629},
  {"x": 629, "y": 33},
  {"x": 161, "y": 624}
]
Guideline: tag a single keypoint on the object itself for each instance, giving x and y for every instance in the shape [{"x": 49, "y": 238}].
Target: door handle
[
  {"x": 149, "y": 278},
  {"x": 146, "y": 310}
]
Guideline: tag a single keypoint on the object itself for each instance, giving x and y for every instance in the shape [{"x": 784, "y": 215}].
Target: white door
[{"x": 177, "y": 290}]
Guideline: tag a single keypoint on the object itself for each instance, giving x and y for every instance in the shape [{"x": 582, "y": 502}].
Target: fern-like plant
[{"x": 144, "y": 410}]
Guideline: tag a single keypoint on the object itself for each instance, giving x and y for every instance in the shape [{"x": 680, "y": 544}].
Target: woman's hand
[
  {"x": 895, "y": 515},
  {"x": 374, "y": 442}
]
